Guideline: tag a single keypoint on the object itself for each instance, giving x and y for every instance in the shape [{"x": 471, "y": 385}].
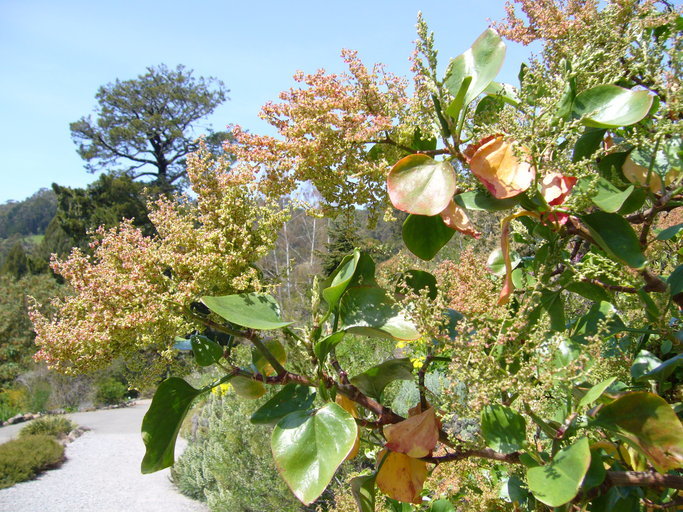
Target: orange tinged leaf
[
  {"x": 638, "y": 175},
  {"x": 350, "y": 406},
  {"x": 497, "y": 166},
  {"x": 416, "y": 436},
  {"x": 455, "y": 218},
  {"x": 401, "y": 477}
]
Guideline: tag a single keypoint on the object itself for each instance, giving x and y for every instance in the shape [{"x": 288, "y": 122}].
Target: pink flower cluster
[
  {"x": 133, "y": 291},
  {"x": 325, "y": 130}
]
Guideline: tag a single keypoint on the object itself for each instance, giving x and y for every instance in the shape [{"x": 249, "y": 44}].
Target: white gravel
[{"x": 101, "y": 473}]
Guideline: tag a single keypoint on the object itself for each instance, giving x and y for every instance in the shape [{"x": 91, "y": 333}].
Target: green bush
[
  {"x": 110, "y": 392},
  {"x": 229, "y": 465},
  {"x": 21, "y": 459},
  {"x": 55, "y": 426}
]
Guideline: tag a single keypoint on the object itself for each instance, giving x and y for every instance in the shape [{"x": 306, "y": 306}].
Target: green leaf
[
  {"x": 552, "y": 302},
  {"x": 588, "y": 290},
  {"x": 324, "y": 346},
  {"x": 649, "y": 424},
  {"x": 308, "y": 448},
  {"x": 252, "y": 310},
  {"x": 608, "y": 197},
  {"x": 482, "y": 200},
  {"x": 425, "y": 236},
  {"x": 369, "y": 311},
  {"x": 675, "y": 281},
  {"x": 664, "y": 370},
  {"x": 420, "y": 185},
  {"x": 363, "y": 490},
  {"x": 481, "y": 62},
  {"x": 588, "y": 143},
  {"x": 496, "y": 263},
  {"x": 422, "y": 143},
  {"x": 206, "y": 352},
  {"x": 670, "y": 232},
  {"x": 601, "y": 317},
  {"x": 245, "y": 387},
  {"x": 456, "y": 105},
  {"x": 291, "y": 398},
  {"x": 505, "y": 92},
  {"x": 335, "y": 285},
  {"x": 162, "y": 421},
  {"x": 616, "y": 237},
  {"x": 503, "y": 429},
  {"x": 373, "y": 381},
  {"x": 611, "y": 106},
  {"x": 262, "y": 364},
  {"x": 643, "y": 364},
  {"x": 417, "y": 280},
  {"x": 442, "y": 505},
  {"x": 559, "y": 481},
  {"x": 596, "y": 471},
  {"x": 594, "y": 393}
]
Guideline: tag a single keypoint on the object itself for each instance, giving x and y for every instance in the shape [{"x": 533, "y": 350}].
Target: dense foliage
[
  {"x": 55, "y": 426},
  {"x": 562, "y": 382},
  {"x": 21, "y": 459}
]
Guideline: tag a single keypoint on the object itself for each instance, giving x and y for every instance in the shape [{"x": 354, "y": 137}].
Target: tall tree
[{"x": 145, "y": 126}]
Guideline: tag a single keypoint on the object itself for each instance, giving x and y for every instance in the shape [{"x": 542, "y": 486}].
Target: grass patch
[
  {"x": 55, "y": 426},
  {"x": 22, "y": 459}
]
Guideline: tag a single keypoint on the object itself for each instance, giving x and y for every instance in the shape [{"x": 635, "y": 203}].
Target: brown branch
[
  {"x": 642, "y": 479},
  {"x": 611, "y": 287},
  {"x": 484, "y": 453}
]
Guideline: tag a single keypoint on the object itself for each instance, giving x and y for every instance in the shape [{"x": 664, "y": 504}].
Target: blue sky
[{"x": 55, "y": 54}]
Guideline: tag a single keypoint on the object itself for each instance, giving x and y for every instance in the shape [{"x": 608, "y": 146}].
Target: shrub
[
  {"x": 21, "y": 459},
  {"x": 110, "y": 391},
  {"x": 229, "y": 464},
  {"x": 55, "y": 426}
]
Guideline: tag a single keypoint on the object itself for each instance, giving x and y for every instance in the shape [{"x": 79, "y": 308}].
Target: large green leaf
[
  {"x": 482, "y": 200},
  {"x": 252, "y": 310},
  {"x": 206, "y": 352},
  {"x": 373, "y": 381},
  {"x": 309, "y": 446},
  {"x": 648, "y": 423},
  {"x": 503, "y": 429},
  {"x": 670, "y": 232},
  {"x": 442, "y": 505},
  {"x": 363, "y": 490},
  {"x": 505, "y": 92},
  {"x": 644, "y": 362},
  {"x": 419, "y": 184},
  {"x": 162, "y": 421},
  {"x": 425, "y": 236},
  {"x": 611, "y": 106},
  {"x": 293, "y": 397},
  {"x": 370, "y": 311},
  {"x": 559, "y": 481},
  {"x": 335, "y": 285},
  {"x": 616, "y": 237},
  {"x": 482, "y": 62}
]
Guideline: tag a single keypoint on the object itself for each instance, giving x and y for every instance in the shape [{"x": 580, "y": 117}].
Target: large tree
[{"x": 145, "y": 126}]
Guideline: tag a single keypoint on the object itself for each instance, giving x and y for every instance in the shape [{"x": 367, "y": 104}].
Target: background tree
[{"x": 144, "y": 126}]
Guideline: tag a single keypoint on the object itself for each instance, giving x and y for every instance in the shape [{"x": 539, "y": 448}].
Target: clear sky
[{"x": 55, "y": 54}]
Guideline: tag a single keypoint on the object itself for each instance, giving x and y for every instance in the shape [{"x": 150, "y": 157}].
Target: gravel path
[{"x": 101, "y": 473}]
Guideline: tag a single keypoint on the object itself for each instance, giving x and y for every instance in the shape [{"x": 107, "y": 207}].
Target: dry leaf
[
  {"x": 416, "y": 436},
  {"x": 401, "y": 477},
  {"x": 455, "y": 218}
]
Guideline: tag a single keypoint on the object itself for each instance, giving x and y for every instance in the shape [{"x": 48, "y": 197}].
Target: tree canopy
[{"x": 145, "y": 126}]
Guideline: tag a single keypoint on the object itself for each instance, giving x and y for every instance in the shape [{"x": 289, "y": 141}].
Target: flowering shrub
[{"x": 563, "y": 379}]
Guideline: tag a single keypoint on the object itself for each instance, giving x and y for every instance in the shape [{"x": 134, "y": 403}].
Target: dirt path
[{"x": 101, "y": 473}]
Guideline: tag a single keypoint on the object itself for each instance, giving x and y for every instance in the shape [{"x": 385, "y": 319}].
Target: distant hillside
[{"x": 28, "y": 217}]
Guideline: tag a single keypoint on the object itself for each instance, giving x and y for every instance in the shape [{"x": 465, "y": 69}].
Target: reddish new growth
[{"x": 326, "y": 128}]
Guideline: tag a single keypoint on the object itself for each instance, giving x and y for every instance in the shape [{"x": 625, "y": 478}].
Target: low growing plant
[
  {"x": 55, "y": 426},
  {"x": 22, "y": 459}
]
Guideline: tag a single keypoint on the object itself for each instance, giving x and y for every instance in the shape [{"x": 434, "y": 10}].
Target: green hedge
[
  {"x": 21, "y": 459},
  {"x": 55, "y": 426}
]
